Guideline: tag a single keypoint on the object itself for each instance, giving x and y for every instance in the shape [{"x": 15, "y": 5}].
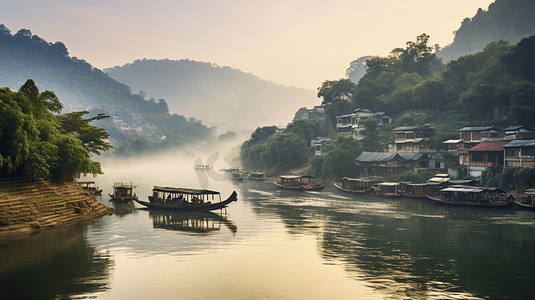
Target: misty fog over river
[{"x": 273, "y": 244}]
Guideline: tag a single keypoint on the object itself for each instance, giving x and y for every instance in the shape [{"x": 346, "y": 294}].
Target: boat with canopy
[
  {"x": 185, "y": 199},
  {"x": 123, "y": 192},
  {"x": 470, "y": 196}
]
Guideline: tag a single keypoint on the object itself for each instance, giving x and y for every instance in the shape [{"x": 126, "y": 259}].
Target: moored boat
[
  {"x": 360, "y": 186},
  {"x": 528, "y": 203},
  {"x": 419, "y": 190},
  {"x": 299, "y": 183},
  {"x": 236, "y": 175},
  {"x": 123, "y": 192},
  {"x": 256, "y": 176},
  {"x": 469, "y": 196},
  {"x": 387, "y": 189},
  {"x": 90, "y": 186},
  {"x": 184, "y": 199}
]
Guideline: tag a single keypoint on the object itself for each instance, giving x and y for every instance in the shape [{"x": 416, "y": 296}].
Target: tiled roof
[
  {"x": 405, "y": 128},
  {"x": 520, "y": 143},
  {"x": 489, "y": 146},
  {"x": 477, "y": 128},
  {"x": 388, "y": 156}
]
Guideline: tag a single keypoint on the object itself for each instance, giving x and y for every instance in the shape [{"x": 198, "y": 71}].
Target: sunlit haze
[{"x": 299, "y": 43}]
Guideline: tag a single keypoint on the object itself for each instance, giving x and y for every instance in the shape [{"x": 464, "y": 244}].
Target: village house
[
  {"x": 317, "y": 113},
  {"x": 520, "y": 153},
  {"x": 478, "y": 134},
  {"x": 519, "y": 132},
  {"x": 351, "y": 124},
  {"x": 318, "y": 144},
  {"x": 488, "y": 155},
  {"x": 412, "y": 139},
  {"x": 385, "y": 163}
]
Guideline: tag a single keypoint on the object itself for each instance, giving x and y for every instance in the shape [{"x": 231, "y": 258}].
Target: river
[{"x": 274, "y": 244}]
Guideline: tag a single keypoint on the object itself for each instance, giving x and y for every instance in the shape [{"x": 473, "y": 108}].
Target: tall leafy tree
[{"x": 34, "y": 145}]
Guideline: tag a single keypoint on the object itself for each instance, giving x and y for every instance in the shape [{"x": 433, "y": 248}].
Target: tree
[
  {"x": 339, "y": 159},
  {"x": 34, "y": 145}
]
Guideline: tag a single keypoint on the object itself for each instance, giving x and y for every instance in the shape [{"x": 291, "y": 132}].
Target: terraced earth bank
[{"x": 26, "y": 207}]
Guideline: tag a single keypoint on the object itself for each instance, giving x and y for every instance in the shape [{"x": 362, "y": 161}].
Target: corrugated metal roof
[
  {"x": 452, "y": 142},
  {"x": 478, "y": 128},
  {"x": 489, "y": 146},
  {"x": 520, "y": 143},
  {"x": 512, "y": 128},
  {"x": 409, "y": 141}
]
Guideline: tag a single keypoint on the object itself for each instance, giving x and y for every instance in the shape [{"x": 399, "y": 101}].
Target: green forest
[
  {"x": 36, "y": 143},
  {"x": 493, "y": 87}
]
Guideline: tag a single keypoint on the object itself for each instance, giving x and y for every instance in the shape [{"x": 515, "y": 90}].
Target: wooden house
[
  {"x": 519, "y": 132},
  {"x": 486, "y": 155},
  {"x": 520, "y": 153},
  {"x": 478, "y": 134},
  {"x": 413, "y": 139},
  {"x": 385, "y": 163}
]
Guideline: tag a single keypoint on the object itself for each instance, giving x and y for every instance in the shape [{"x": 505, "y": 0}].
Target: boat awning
[
  {"x": 356, "y": 179},
  {"x": 439, "y": 179},
  {"x": 124, "y": 185},
  {"x": 290, "y": 177},
  {"x": 166, "y": 189},
  {"x": 389, "y": 183},
  {"x": 452, "y": 189}
]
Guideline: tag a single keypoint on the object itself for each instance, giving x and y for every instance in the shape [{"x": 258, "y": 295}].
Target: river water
[{"x": 274, "y": 244}]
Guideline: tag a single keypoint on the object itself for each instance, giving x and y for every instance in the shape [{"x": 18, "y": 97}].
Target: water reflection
[
  {"x": 193, "y": 222},
  {"x": 53, "y": 264},
  {"x": 409, "y": 248},
  {"x": 122, "y": 209}
]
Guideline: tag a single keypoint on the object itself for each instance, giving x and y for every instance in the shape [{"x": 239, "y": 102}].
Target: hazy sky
[{"x": 299, "y": 43}]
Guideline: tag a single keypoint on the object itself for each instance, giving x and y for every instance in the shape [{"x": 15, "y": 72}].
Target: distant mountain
[
  {"x": 220, "y": 96},
  {"x": 80, "y": 86},
  {"x": 357, "y": 69},
  {"x": 509, "y": 20}
]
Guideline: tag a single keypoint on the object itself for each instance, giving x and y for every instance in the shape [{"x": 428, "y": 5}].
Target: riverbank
[{"x": 27, "y": 207}]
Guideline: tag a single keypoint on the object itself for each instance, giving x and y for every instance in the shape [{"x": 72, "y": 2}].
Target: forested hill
[
  {"x": 78, "y": 85},
  {"x": 509, "y": 20},
  {"x": 220, "y": 96}
]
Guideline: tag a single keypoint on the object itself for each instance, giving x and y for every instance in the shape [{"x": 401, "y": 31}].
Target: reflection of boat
[
  {"x": 387, "y": 189},
  {"x": 123, "y": 192},
  {"x": 199, "y": 222},
  {"x": 236, "y": 175},
  {"x": 183, "y": 199},
  {"x": 419, "y": 190},
  {"x": 90, "y": 186},
  {"x": 473, "y": 197},
  {"x": 120, "y": 208},
  {"x": 299, "y": 183},
  {"x": 527, "y": 203},
  {"x": 256, "y": 176},
  {"x": 202, "y": 167},
  {"x": 355, "y": 185}
]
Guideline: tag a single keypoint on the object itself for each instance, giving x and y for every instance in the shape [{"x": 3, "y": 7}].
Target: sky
[{"x": 290, "y": 42}]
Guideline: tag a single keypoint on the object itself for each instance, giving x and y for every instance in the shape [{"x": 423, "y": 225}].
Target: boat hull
[
  {"x": 524, "y": 206},
  {"x": 359, "y": 192},
  {"x": 500, "y": 204},
  {"x": 204, "y": 207},
  {"x": 290, "y": 187}
]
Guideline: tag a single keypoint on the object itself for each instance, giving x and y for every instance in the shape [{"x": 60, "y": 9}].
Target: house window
[
  {"x": 399, "y": 147},
  {"x": 528, "y": 152}
]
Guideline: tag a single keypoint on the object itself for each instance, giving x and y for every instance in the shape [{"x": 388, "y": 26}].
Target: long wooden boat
[
  {"x": 299, "y": 183},
  {"x": 387, "y": 189},
  {"x": 361, "y": 186},
  {"x": 123, "y": 192},
  {"x": 528, "y": 202},
  {"x": 236, "y": 175},
  {"x": 90, "y": 186},
  {"x": 184, "y": 199},
  {"x": 202, "y": 167},
  {"x": 419, "y": 190},
  {"x": 256, "y": 176},
  {"x": 470, "y": 196}
]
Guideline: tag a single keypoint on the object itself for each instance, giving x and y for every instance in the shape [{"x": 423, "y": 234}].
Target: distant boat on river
[
  {"x": 202, "y": 167},
  {"x": 90, "y": 186},
  {"x": 387, "y": 189},
  {"x": 184, "y": 199},
  {"x": 255, "y": 176},
  {"x": 123, "y": 192},
  {"x": 299, "y": 183}
]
